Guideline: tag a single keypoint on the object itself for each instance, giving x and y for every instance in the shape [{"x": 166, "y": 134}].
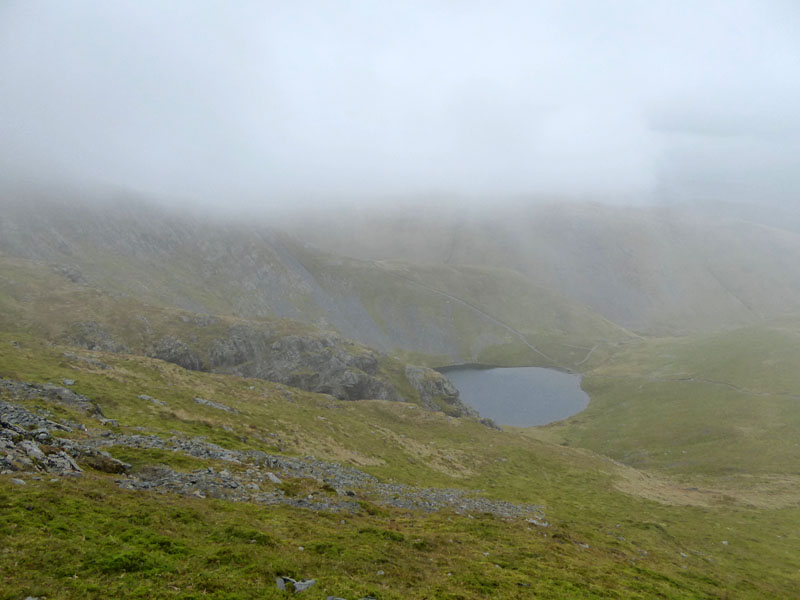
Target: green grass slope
[
  {"x": 440, "y": 314},
  {"x": 473, "y": 314},
  {"x": 719, "y": 405},
  {"x": 39, "y": 300},
  {"x": 660, "y": 270},
  {"x": 85, "y": 537}
]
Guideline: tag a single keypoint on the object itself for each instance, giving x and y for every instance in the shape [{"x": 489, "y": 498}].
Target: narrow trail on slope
[
  {"x": 481, "y": 312},
  {"x": 725, "y": 384},
  {"x": 588, "y": 355}
]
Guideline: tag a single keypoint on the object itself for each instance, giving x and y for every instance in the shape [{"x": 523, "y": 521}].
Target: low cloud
[{"x": 255, "y": 102}]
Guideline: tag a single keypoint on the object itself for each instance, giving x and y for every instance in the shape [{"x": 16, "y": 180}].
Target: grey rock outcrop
[
  {"x": 238, "y": 487},
  {"x": 54, "y": 393},
  {"x": 313, "y": 360},
  {"x": 323, "y": 363},
  {"x": 217, "y": 405},
  {"x": 19, "y": 452},
  {"x": 155, "y": 401},
  {"x": 173, "y": 350},
  {"x": 329, "y": 364},
  {"x": 90, "y": 362},
  {"x": 23, "y": 418},
  {"x": 436, "y": 392},
  {"x": 94, "y": 336},
  {"x": 30, "y": 443},
  {"x": 287, "y": 583}
]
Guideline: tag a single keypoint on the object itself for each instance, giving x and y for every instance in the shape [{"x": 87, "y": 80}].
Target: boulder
[
  {"x": 102, "y": 461},
  {"x": 217, "y": 405},
  {"x": 287, "y": 583}
]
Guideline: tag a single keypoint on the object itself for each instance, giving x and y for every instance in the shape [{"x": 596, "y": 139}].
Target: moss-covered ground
[{"x": 613, "y": 531}]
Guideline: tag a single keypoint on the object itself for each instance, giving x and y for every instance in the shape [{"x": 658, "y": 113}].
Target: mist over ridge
[
  {"x": 246, "y": 246},
  {"x": 267, "y": 104}
]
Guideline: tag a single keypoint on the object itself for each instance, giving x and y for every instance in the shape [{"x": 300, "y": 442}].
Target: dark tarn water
[{"x": 519, "y": 396}]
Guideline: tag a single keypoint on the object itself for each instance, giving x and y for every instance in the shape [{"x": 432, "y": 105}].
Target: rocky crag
[{"x": 305, "y": 358}]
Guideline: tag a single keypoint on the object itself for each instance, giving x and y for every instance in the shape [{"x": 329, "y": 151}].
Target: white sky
[{"x": 249, "y": 102}]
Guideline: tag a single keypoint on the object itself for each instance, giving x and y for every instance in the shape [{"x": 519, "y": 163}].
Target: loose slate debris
[
  {"x": 22, "y": 432},
  {"x": 28, "y": 442},
  {"x": 54, "y": 393}
]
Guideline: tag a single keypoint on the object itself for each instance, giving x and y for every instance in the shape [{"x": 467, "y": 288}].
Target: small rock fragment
[
  {"x": 300, "y": 586},
  {"x": 217, "y": 405},
  {"x": 151, "y": 399},
  {"x": 284, "y": 583}
]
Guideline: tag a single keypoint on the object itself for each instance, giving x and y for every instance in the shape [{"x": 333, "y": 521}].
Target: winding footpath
[
  {"x": 702, "y": 380},
  {"x": 474, "y": 308}
]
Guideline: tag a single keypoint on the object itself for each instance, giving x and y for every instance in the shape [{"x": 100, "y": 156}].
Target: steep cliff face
[
  {"x": 321, "y": 362},
  {"x": 173, "y": 350},
  {"x": 324, "y": 363},
  {"x": 436, "y": 392},
  {"x": 39, "y": 300},
  {"x": 438, "y": 313},
  {"x": 318, "y": 362},
  {"x": 281, "y": 351}
]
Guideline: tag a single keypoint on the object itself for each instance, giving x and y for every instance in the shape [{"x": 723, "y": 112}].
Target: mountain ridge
[
  {"x": 253, "y": 272},
  {"x": 653, "y": 270}
]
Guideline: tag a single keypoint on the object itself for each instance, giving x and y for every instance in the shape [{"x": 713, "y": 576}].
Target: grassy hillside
[
  {"x": 436, "y": 313},
  {"x": 679, "y": 480},
  {"x": 489, "y": 314},
  {"x": 649, "y": 269},
  {"x": 722, "y": 405},
  {"x": 39, "y": 300},
  {"x": 85, "y": 536}
]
